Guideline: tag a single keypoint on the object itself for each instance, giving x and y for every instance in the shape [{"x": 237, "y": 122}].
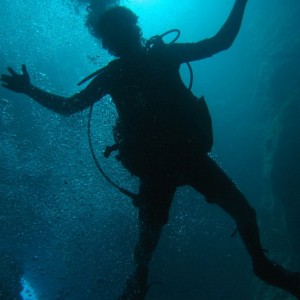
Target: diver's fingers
[
  {"x": 11, "y": 71},
  {"x": 7, "y": 87},
  {"x": 24, "y": 70},
  {"x": 5, "y": 78}
]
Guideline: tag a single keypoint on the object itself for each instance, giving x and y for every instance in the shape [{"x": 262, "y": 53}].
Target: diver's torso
[
  {"x": 157, "y": 113},
  {"x": 149, "y": 93}
]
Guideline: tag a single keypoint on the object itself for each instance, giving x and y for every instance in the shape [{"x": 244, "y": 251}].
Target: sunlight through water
[{"x": 28, "y": 292}]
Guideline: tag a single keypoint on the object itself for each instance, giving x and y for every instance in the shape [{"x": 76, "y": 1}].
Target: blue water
[{"x": 71, "y": 234}]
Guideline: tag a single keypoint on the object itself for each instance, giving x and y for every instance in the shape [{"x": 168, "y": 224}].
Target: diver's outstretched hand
[{"x": 19, "y": 83}]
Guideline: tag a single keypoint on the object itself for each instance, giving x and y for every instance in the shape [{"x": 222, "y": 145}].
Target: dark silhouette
[{"x": 163, "y": 134}]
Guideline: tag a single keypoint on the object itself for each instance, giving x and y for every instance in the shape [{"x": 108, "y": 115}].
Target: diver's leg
[
  {"x": 221, "y": 190},
  {"x": 155, "y": 201},
  {"x": 210, "y": 180}
]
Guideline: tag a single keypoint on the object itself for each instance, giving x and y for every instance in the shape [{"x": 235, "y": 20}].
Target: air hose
[
  {"x": 122, "y": 190},
  {"x": 149, "y": 43}
]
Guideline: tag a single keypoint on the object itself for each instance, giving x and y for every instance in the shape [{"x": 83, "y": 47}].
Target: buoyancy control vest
[
  {"x": 160, "y": 121},
  {"x": 204, "y": 128}
]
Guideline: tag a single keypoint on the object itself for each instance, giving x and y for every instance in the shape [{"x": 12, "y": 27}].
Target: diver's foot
[
  {"x": 276, "y": 275},
  {"x": 136, "y": 286}
]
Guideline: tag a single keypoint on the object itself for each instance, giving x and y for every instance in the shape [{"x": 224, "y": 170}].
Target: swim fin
[{"x": 278, "y": 276}]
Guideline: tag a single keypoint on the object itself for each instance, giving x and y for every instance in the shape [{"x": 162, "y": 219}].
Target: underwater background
[{"x": 65, "y": 233}]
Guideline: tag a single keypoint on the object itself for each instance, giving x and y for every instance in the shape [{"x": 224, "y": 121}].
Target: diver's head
[{"x": 117, "y": 28}]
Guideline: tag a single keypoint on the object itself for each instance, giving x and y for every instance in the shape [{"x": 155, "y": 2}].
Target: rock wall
[
  {"x": 279, "y": 93},
  {"x": 283, "y": 156}
]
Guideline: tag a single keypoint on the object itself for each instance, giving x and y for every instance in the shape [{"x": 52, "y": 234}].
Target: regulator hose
[{"x": 122, "y": 190}]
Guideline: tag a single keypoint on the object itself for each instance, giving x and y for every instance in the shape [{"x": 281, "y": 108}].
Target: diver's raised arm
[
  {"x": 229, "y": 31},
  {"x": 221, "y": 41},
  {"x": 20, "y": 83}
]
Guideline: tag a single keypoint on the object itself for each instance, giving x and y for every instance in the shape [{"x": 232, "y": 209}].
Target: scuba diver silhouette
[{"x": 163, "y": 134}]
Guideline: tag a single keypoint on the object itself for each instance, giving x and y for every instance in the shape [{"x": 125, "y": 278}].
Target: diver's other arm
[
  {"x": 221, "y": 41},
  {"x": 20, "y": 83},
  {"x": 229, "y": 31}
]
